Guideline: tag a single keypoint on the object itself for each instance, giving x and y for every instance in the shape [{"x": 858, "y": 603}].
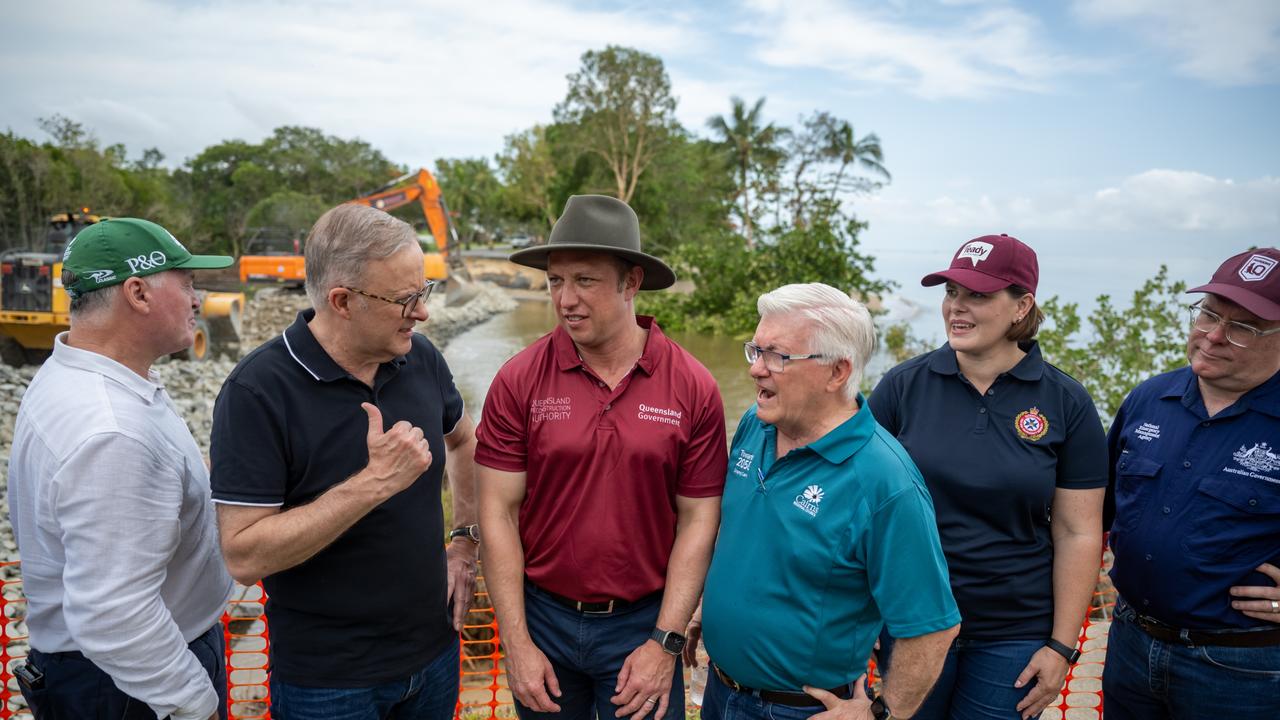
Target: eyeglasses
[
  {"x": 773, "y": 361},
  {"x": 1238, "y": 334},
  {"x": 408, "y": 303}
]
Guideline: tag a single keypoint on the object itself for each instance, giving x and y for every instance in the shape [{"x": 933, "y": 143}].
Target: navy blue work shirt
[
  {"x": 1197, "y": 500},
  {"x": 287, "y": 426},
  {"x": 992, "y": 463}
]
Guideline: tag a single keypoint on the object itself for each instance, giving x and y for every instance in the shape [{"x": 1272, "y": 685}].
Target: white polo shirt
[{"x": 109, "y": 498}]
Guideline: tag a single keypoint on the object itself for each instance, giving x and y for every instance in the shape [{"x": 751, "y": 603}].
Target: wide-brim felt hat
[{"x": 599, "y": 223}]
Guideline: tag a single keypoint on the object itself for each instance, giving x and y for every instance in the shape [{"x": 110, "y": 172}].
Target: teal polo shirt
[{"x": 818, "y": 550}]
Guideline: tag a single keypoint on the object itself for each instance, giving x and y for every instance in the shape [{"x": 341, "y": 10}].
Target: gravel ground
[{"x": 194, "y": 385}]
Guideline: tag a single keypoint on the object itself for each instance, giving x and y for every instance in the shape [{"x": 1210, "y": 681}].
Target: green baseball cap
[{"x": 111, "y": 251}]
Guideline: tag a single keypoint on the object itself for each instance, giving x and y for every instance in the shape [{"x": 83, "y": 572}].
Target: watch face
[{"x": 674, "y": 643}]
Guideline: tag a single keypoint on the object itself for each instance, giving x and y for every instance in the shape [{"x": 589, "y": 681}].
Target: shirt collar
[
  {"x": 307, "y": 351},
  {"x": 1029, "y": 369},
  {"x": 848, "y": 437},
  {"x": 1184, "y": 386},
  {"x": 148, "y": 388},
  {"x": 567, "y": 357}
]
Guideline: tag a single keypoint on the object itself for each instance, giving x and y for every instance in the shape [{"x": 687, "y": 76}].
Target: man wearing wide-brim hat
[
  {"x": 1195, "y": 479},
  {"x": 602, "y": 460}
]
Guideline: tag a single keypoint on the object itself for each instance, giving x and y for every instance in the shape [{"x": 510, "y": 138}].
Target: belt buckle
[{"x": 584, "y": 611}]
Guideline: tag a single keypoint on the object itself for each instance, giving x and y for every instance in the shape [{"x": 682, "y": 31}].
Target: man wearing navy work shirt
[{"x": 1196, "y": 532}]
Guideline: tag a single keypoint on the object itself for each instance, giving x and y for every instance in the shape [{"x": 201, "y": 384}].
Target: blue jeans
[
  {"x": 74, "y": 688},
  {"x": 428, "y": 694},
  {"x": 587, "y": 652},
  {"x": 720, "y": 702},
  {"x": 976, "y": 681},
  {"x": 1147, "y": 679}
]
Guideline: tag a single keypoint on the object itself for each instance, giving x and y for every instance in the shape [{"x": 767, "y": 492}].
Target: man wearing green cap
[{"x": 109, "y": 496}]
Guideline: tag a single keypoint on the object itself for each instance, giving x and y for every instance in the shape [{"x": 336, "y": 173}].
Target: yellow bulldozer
[{"x": 34, "y": 307}]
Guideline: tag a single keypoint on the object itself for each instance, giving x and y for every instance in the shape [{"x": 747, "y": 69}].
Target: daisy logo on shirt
[
  {"x": 1031, "y": 424},
  {"x": 809, "y": 499}
]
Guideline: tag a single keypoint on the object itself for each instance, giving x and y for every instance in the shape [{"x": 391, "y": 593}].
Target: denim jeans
[
  {"x": 76, "y": 689},
  {"x": 976, "y": 680},
  {"x": 587, "y": 652},
  {"x": 428, "y": 694},
  {"x": 720, "y": 702},
  {"x": 1146, "y": 679}
]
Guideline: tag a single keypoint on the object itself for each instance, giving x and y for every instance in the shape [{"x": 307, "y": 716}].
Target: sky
[{"x": 1112, "y": 136}]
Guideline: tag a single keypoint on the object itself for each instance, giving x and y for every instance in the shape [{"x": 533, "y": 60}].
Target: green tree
[
  {"x": 529, "y": 175},
  {"x": 755, "y": 152},
  {"x": 820, "y": 157},
  {"x": 1126, "y": 345},
  {"x": 621, "y": 107},
  {"x": 474, "y": 194}
]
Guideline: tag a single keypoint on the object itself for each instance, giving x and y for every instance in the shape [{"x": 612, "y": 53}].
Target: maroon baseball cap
[
  {"x": 990, "y": 263},
  {"x": 1249, "y": 280}
]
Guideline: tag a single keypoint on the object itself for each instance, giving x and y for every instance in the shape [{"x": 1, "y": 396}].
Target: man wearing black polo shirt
[
  {"x": 1195, "y": 471},
  {"x": 327, "y": 451}
]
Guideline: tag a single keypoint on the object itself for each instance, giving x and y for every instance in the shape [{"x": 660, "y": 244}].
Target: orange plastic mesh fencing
[{"x": 483, "y": 692}]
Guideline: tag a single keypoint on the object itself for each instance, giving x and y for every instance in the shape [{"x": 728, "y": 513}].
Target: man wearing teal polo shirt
[{"x": 827, "y": 533}]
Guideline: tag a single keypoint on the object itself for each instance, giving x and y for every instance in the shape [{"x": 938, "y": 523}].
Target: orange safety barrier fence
[{"x": 483, "y": 692}]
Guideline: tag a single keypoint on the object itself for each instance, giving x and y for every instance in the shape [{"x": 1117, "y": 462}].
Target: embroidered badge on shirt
[
  {"x": 743, "y": 464},
  {"x": 809, "y": 499},
  {"x": 1148, "y": 432},
  {"x": 1260, "y": 458},
  {"x": 1030, "y": 424}
]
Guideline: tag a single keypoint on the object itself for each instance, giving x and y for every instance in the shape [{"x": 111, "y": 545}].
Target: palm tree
[
  {"x": 846, "y": 148},
  {"x": 754, "y": 149}
]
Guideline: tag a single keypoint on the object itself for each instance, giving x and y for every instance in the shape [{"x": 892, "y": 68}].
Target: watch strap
[
  {"x": 1071, "y": 654},
  {"x": 662, "y": 637},
  {"x": 470, "y": 532}
]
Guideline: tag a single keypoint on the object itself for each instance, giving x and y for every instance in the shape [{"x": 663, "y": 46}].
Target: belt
[
  {"x": 600, "y": 607},
  {"x": 1261, "y": 637},
  {"x": 844, "y": 692}
]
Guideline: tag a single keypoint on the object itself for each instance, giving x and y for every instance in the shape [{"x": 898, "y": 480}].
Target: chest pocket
[
  {"x": 1237, "y": 517},
  {"x": 1136, "y": 480}
]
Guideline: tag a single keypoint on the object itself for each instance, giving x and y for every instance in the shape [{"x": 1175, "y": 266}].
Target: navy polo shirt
[
  {"x": 1197, "y": 500},
  {"x": 992, "y": 464},
  {"x": 287, "y": 426}
]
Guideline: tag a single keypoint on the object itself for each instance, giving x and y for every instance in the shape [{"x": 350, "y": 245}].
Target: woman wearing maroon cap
[{"x": 1014, "y": 456}]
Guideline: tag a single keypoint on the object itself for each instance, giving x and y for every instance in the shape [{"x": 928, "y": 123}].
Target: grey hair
[
  {"x": 92, "y": 302},
  {"x": 842, "y": 326},
  {"x": 346, "y": 239}
]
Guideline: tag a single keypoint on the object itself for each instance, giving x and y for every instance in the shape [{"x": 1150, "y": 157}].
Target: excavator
[
  {"x": 445, "y": 265},
  {"x": 34, "y": 307}
]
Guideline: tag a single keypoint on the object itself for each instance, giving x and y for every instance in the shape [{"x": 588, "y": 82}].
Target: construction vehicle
[
  {"x": 34, "y": 307},
  {"x": 273, "y": 254},
  {"x": 441, "y": 264}
]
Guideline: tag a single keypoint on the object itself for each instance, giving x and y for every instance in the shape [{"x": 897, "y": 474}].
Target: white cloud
[
  {"x": 1228, "y": 42},
  {"x": 420, "y": 79},
  {"x": 1156, "y": 201},
  {"x": 970, "y": 49}
]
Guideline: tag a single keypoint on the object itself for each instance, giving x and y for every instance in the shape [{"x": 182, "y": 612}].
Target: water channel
[{"x": 476, "y": 355}]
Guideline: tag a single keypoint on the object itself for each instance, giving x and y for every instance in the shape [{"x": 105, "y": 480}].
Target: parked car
[{"x": 522, "y": 241}]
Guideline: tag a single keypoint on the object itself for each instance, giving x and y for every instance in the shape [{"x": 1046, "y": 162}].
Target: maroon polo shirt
[{"x": 603, "y": 467}]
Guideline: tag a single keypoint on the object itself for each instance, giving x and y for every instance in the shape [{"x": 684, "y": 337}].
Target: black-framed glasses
[
  {"x": 408, "y": 304},
  {"x": 773, "y": 361},
  {"x": 1238, "y": 334}
]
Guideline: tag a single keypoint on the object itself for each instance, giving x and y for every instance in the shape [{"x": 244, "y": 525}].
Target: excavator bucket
[{"x": 459, "y": 291}]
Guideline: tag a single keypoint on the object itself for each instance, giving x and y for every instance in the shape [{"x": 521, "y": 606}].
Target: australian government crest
[{"x": 1260, "y": 459}]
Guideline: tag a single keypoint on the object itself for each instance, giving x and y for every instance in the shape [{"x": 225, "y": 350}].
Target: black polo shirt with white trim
[
  {"x": 992, "y": 463},
  {"x": 287, "y": 426}
]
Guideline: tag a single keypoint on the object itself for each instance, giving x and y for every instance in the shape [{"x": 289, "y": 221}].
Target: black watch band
[
  {"x": 470, "y": 532},
  {"x": 672, "y": 642},
  {"x": 880, "y": 711},
  {"x": 1070, "y": 653}
]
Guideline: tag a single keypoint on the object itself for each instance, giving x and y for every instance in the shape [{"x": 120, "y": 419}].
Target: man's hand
[
  {"x": 644, "y": 684},
  {"x": 531, "y": 678},
  {"x": 1049, "y": 670},
  {"x": 396, "y": 457},
  {"x": 461, "y": 555},
  {"x": 692, "y": 634},
  {"x": 1267, "y": 605},
  {"x": 857, "y": 707}
]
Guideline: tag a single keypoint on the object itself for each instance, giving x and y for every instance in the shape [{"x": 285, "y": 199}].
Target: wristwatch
[
  {"x": 671, "y": 642},
  {"x": 879, "y": 710},
  {"x": 470, "y": 532},
  {"x": 1070, "y": 653}
]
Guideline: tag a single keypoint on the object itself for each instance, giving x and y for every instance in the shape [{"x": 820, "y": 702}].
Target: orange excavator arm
[{"x": 422, "y": 187}]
